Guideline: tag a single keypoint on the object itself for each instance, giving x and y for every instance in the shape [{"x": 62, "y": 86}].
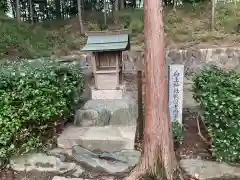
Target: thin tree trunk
[
  {"x": 134, "y": 4},
  {"x": 31, "y": 11},
  {"x": 58, "y": 9},
  {"x": 213, "y": 15},
  {"x": 158, "y": 156},
  {"x": 174, "y": 5},
  {"x": 13, "y": 6},
  {"x": 105, "y": 12},
  {"x": 116, "y": 5},
  {"x": 140, "y": 106},
  {"x": 116, "y": 11},
  {"x": 122, "y": 4},
  {"x": 80, "y": 17},
  {"x": 18, "y": 10}
]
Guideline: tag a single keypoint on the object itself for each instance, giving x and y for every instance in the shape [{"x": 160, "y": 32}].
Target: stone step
[{"x": 104, "y": 139}]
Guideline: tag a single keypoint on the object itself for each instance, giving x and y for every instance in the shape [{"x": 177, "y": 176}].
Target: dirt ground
[{"x": 193, "y": 145}]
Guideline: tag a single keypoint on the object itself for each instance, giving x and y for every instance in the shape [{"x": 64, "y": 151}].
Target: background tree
[
  {"x": 18, "y": 15},
  {"x": 80, "y": 17},
  {"x": 116, "y": 3},
  {"x": 3, "y": 6},
  {"x": 116, "y": 7},
  {"x": 122, "y": 4},
  {"x": 105, "y": 12},
  {"x": 31, "y": 11},
  {"x": 65, "y": 9},
  {"x": 158, "y": 154},
  {"x": 58, "y": 8},
  {"x": 213, "y": 14}
]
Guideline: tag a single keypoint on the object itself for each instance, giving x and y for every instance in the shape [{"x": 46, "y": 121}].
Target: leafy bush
[
  {"x": 93, "y": 27},
  {"x": 177, "y": 132},
  {"x": 218, "y": 93},
  {"x": 136, "y": 27},
  {"x": 34, "y": 97}
]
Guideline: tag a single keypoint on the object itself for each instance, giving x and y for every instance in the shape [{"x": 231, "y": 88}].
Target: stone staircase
[
  {"x": 100, "y": 142},
  {"x": 102, "y": 125}
]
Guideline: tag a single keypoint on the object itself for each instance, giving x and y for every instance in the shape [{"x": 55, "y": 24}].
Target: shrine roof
[{"x": 107, "y": 41}]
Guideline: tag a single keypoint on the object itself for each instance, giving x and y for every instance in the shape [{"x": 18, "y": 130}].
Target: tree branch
[{"x": 200, "y": 133}]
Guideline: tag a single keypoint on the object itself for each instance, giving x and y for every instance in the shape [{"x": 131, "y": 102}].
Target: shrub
[
  {"x": 34, "y": 96},
  {"x": 218, "y": 93},
  {"x": 136, "y": 27},
  {"x": 125, "y": 20},
  {"x": 93, "y": 27}
]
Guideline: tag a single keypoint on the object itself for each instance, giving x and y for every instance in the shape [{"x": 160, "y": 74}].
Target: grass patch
[{"x": 26, "y": 41}]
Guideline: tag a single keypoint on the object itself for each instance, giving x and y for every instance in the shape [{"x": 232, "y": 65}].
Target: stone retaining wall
[{"x": 193, "y": 59}]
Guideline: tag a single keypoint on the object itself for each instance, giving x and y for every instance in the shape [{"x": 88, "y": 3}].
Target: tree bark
[
  {"x": 158, "y": 156},
  {"x": 80, "y": 17}
]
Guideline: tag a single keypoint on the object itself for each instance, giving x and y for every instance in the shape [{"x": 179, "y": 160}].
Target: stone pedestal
[
  {"x": 108, "y": 93},
  {"x": 104, "y": 112}
]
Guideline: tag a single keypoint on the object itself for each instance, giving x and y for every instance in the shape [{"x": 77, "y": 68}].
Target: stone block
[
  {"x": 122, "y": 116},
  {"x": 115, "y": 162},
  {"x": 123, "y": 112},
  {"x": 44, "y": 163},
  {"x": 64, "y": 178},
  {"x": 92, "y": 117},
  {"x": 108, "y": 93},
  {"x": 204, "y": 169}
]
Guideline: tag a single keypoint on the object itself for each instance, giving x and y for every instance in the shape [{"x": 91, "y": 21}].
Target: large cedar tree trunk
[{"x": 158, "y": 156}]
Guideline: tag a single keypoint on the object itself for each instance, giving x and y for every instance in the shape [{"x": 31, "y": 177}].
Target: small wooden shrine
[{"x": 107, "y": 48}]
